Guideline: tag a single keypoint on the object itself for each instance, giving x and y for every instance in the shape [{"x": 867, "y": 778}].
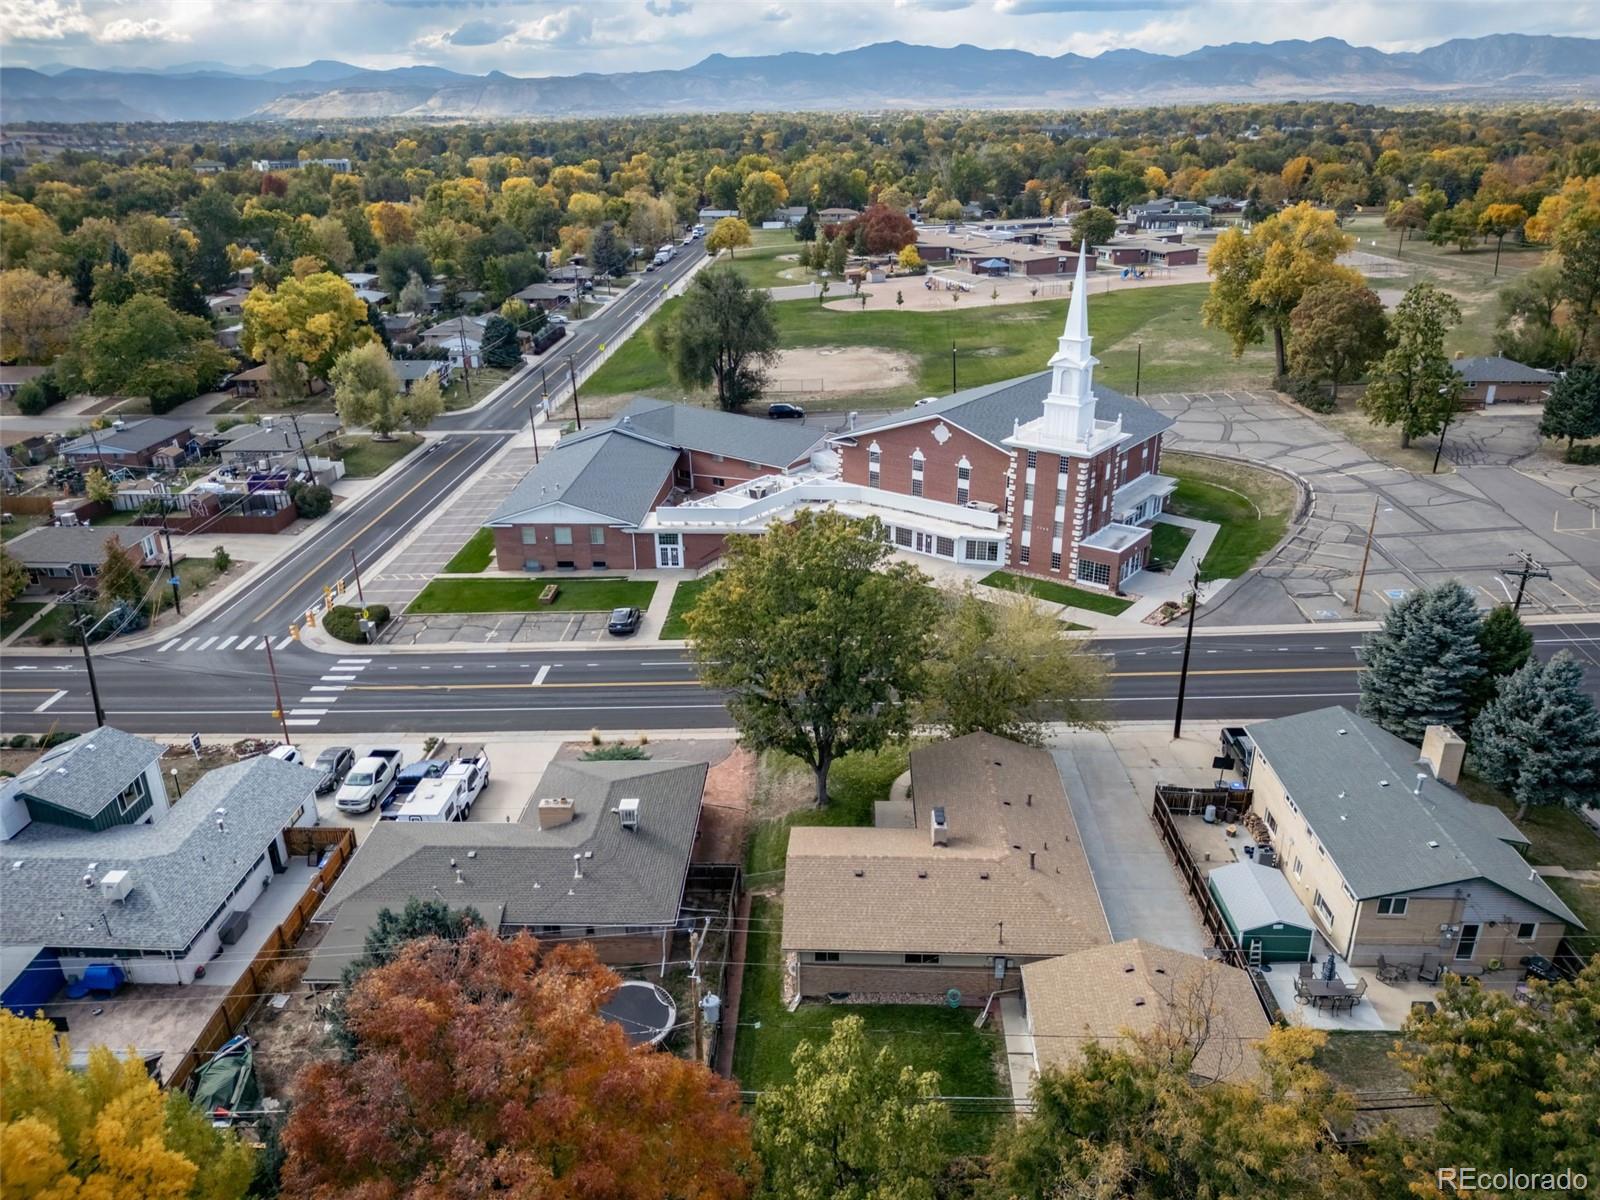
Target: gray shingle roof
[
  {"x": 68, "y": 545},
  {"x": 634, "y": 877},
  {"x": 1387, "y": 840},
  {"x": 282, "y": 437},
  {"x": 732, "y": 435},
  {"x": 991, "y": 412},
  {"x": 85, "y": 774},
  {"x": 1255, "y": 896},
  {"x": 132, "y": 438},
  {"x": 416, "y": 368},
  {"x": 1496, "y": 368},
  {"x": 616, "y": 475},
  {"x": 183, "y": 867}
]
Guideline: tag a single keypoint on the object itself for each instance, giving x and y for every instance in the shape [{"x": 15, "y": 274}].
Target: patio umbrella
[{"x": 1329, "y": 970}]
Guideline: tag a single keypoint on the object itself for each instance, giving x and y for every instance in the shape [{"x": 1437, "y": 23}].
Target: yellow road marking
[{"x": 401, "y": 499}]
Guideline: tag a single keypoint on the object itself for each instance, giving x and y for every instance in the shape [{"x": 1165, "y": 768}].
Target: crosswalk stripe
[
  {"x": 169, "y": 645},
  {"x": 207, "y": 642},
  {"x": 312, "y": 723},
  {"x": 308, "y": 712},
  {"x": 338, "y": 678},
  {"x": 284, "y": 643},
  {"x": 247, "y": 642},
  {"x": 187, "y": 644},
  {"x": 332, "y": 688},
  {"x": 226, "y": 642},
  {"x": 352, "y": 662}
]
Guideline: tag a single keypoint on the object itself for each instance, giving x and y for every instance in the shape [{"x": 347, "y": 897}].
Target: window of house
[
  {"x": 825, "y": 956},
  {"x": 718, "y": 481},
  {"x": 1322, "y": 908},
  {"x": 563, "y": 535},
  {"x": 874, "y": 456},
  {"x": 1055, "y": 561},
  {"x": 944, "y": 547},
  {"x": 1022, "y": 554},
  {"x": 1033, "y": 458},
  {"x": 1272, "y": 821},
  {"x": 922, "y": 960},
  {"x": 962, "y": 493},
  {"x": 1392, "y": 906},
  {"x": 1027, "y": 491},
  {"x": 1062, "y": 465},
  {"x": 597, "y": 535},
  {"x": 902, "y": 537},
  {"x": 1094, "y": 572},
  {"x": 916, "y": 485},
  {"x": 530, "y": 535},
  {"x": 983, "y": 551},
  {"x": 963, "y": 474},
  {"x": 716, "y": 458},
  {"x": 1527, "y": 931},
  {"x": 135, "y": 794},
  {"x": 1298, "y": 867},
  {"x": 1055, "y": 529},
  {"x": 873, "y": 479}
]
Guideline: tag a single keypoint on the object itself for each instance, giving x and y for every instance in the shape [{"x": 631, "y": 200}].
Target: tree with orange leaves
[{"x": 483, "y": 1066}]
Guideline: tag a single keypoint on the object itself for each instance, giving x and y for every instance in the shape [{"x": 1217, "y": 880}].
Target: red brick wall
[
  {"x": 989, "y": 464},
  {"x": 701, "y": 549},
  {"x": 731, "y": 471},
  {"x": 616, "y": 552},
  {"x": 1186, "y": 257},
  {"x": 974, "y": 983},
  {"x": 1505, "y": 393}
]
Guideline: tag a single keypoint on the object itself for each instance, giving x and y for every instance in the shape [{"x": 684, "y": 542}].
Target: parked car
[
  {"x": 556, "y": 319},
  {"x": 786, "y": 412},
  {"x": 370, "y": 781},
  {"x": 624, "y": 621},
  {"x": 334, "y": 763},
  {"x": 286, "y": 754}
]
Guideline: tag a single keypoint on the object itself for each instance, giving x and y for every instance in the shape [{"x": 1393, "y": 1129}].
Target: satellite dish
[{"x": 953, "y": 997}]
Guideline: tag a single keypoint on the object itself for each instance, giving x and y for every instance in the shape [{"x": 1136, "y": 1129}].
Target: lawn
[
  {"x": 54, "y": 628},
  {"x": 772, "y": 264},
  {"x": 365, "y": 456},
  {"x": 676, "y": 628},
  {"x": 483, "y": 381},
  {"x": 194, "y": 575},
  {"x": 1167, "y": 543},
  {"x": 993, "y": 343},
  {"x": 1583, "y": 899},
  {"x": 1252, "y": 509},
  {"x": 1558, "y": 836},
  {"x": 1057, "y": 593},
  {"x": 18, "y": 614},
  {"x": 854, "y": 783},
  {"x": 927, "y": 1037},
  {"x": 19, "y": 524},
  {"x": 474, "y": 556},
  {"x": 522, "y": 595}
]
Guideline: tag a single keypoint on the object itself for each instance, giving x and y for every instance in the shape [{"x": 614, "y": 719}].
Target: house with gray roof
[
  {"x": 100, "y": 866},
  {"x": 412, "y": 371},
  {"x": 1387, "y": 855},
  {"x": 600, "y": 854},
  {"x": 1496, "y": 379},
  {"x": 126, "y": 443},
  {"x": 280, "y": 442},
  {"x": 59, "y": 558}
]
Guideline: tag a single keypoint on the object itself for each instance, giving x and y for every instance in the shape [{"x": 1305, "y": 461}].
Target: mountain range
[{"x": 885, "y": 75}]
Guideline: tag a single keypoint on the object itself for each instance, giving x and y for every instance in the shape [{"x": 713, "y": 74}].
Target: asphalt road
[{"x": 625, "y": 688}]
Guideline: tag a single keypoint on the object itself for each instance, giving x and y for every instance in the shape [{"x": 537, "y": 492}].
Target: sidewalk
[{"x": 1155, "y": 588}]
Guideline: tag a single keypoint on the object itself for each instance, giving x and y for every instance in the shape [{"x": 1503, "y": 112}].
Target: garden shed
[{"x": 1262, "y": 912}]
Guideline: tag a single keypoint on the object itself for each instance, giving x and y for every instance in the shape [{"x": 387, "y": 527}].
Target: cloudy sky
[{"x": 560, "y": 37}]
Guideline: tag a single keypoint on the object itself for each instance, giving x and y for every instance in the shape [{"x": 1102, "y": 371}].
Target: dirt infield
[
  {"x": 819, "y": 370},
  {"x": 981, "y": 290}
]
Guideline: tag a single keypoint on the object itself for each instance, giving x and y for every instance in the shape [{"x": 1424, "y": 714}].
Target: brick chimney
[
  {"x": 554, "y": 812},
  {"x": 1443, "y": 750}
]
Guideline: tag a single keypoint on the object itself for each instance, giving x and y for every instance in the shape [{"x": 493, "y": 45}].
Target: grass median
[
  {"x": 365, "y": 457},
  {"x": 675, "y": 628},
  {"x": 522, "y": 595}
]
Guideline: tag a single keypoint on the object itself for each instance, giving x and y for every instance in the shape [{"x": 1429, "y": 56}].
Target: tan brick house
[
  {"x": 1495, "y": 379},
  {"x": 982, "y": 872}
]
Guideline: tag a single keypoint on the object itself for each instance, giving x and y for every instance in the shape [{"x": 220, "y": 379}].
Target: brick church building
[{"x": 1048, "y": 475}]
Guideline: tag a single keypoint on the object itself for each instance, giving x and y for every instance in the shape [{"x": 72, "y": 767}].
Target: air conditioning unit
[
  {"x": 941, "y": 829},
  {"x": 116, "y": 885}
]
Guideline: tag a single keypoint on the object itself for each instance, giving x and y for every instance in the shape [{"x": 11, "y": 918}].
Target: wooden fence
[
  {"x": 1194, "y": 880},
  {"x": 1192, "y": 802},
  {"x": 338, "y": 845}
]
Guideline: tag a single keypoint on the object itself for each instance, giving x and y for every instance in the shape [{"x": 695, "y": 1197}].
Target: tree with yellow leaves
[
  {"x": 312, "y": 320},
  {"x": 106, "y": 1132},
  {"x": 585, "y": 208},
  {"x": 1257, "y": 278},
  {"x": 1576, "y": 198},
  {"x": 152, "y": 272},
  {"x": 24, "y": 231},
  {"x": 36, "y": 316},
  {"x": 391, "y": 223}
]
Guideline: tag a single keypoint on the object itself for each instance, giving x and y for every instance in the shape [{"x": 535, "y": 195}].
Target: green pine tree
[
  {"x": 1572, "y": 410},
  {"x": 1539, "y": 738},
  {"x": 1506, "y": 644},
  {"x": 1422, "y": 666}
]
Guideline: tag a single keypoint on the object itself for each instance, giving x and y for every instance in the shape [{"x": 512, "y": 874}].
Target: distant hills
[{"x": 886, "y": 75}]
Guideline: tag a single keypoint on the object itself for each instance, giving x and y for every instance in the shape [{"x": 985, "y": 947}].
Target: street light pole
[
  {"x": 952, "y": 368},
  {"x": 533, "y": 428},
  {"x": 1440, "y": 450},
  {"x": 356, "y": 568},
  {"x": 1138, "y": 367},
  {"x": 1188, "y": 642},
  {"x": 172, "y": 563}
]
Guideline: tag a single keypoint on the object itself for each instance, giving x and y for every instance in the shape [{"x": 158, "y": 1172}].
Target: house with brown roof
[
  {"x": 981, "y": 872},
  {"x": 1135, "y": 988}
]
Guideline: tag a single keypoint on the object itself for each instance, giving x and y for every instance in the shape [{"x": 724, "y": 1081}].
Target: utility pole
[
  {"x": 88, "y": 663},
  {"x": 294, "y": 423},
  {"x": 697, "y": 940},
  {"x": 1442, "y": 430},
  {"x": 1532, "y": 568},
  {"x": 277, "y": 695},
  {"x": 572, "y": 373},
  {"x": 356, "y": 568},
  {"x": 1361, "y": 580},
  {"x": 533, "y": 428},
  {"x": 100, "y": 455},
  {"x": 1138, "y": 367},
  {"x": 952, "y": 368},
  {"x": 466, "y": 371},
  {"x": 1188, "y": 641},
  {"x": 172, "y": 565}
]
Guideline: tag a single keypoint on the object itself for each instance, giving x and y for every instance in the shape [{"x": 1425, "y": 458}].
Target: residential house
[
  {"x": 601, "y": 854},
  {"x": 574, "y": 275},
  {"x": 403, "y": 328},
  {"x": 710, "y": 216},
  {"x": 1495, "y": 379},
  {"x": 1225, "y": 204},
  {"x": 1107, "y": 993},
  {"x": 278, "y": 442},
  {"x": 208, "y": 166},
  {"x": 103, "y": 867},
  {"x": 461, "y": 338},
  {"x": 126, "y": 443},
  {"x": 257, "y": 381},
  {"x": 228, "y": 305},
  {"x": 548, "y": 296},
  {"x": 59, "y": 558},
  {"x": 368, "y": 295},
  {"x": 360, "y": 279},
  {"x": 30, "y": 451},
  {"x": 1388, "y": 856},
  {"x": 12, "y": 378},
  {"x": 586, "y": 504},
  {"x": 980, "y": 872},
  {"x": 409, "y": 371},
  {"x": 339, "y": 166},
  {"x": 836, "y": 216},
  {"x": 228, "y": 336}
]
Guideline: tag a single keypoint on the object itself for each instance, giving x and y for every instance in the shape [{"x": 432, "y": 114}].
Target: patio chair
[
  {"x": 1429, "y": 969},
  {"x": 1360, "y": 991},
  {"x": 1388, "y": 972},
  {"x": 1307, "y": 970}
]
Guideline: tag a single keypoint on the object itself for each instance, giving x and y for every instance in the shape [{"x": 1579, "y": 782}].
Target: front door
[
  {"x": 1468, "y": 943},
  {"x": 923, "y": 542},
  {"x": 668, "y": 552},
  {"x": 278, "y": 865}
]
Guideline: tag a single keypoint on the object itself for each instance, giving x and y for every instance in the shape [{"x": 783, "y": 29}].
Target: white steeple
[{"x": 1069, "y": 408}]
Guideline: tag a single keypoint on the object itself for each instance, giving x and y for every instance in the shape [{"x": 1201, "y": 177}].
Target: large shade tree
[
  {"x": 722, "y": 334},
  {"x": 312, "y": 320},
  {"x": 142, "y": 348},
  {"x": 1335, "y": 331},
  {"x": 819, "y": 640},
  {"x": 1414, "y": 385},
  {"x": 483, "y": 1066}
]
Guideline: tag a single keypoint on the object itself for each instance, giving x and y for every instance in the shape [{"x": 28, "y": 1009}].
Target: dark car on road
[
  {"x": 786, "y": 412},
  {"x": 624, "y": 621},
  {"x": 334, "y": 763}
]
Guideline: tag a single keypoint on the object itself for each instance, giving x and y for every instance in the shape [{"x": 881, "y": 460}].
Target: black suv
[{"x": 786, "y": 412}]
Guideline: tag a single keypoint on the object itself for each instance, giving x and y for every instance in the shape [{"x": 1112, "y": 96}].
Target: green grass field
[
  {"x": 54, "y": 628},
  {"x": 18, "y": 614},
  {"x": 474, "y": 556},
  {"x": 1252, "y": 508},
  {"x": 19, "y": 524},
  {"x": 1056, "y": 593},
  {"x": 854, "y": 783},
  {"x": 993, "y": 343},
  {"x": 771, "y": 261},
  {"x": 365, "y": 457},
  {"x": 483, "y": 381},
  {"x": 675, "y": 628},
  {"x": 1557, "y": 836},
  {"x": 1167, "y": 544},
  {"x": 522, "y": 595}
]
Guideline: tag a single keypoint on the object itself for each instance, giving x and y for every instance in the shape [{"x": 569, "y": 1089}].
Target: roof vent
[
  {"x": 1383, "y": 783},
  {"x": 1343, "y": 732},
  {"x": 922, "y": 874},
  {"x": 1138, "y": 1001},
  {"x": 941, "y": 828},
  {"x": 1127, "y": 968},
  {"x": 472, "y": 854},
  {"x": 628, "y": 812},
  {"x": 1433, "y": 845},
  {"x": 859, "y": 873},
  {"x": 983, "y": 874}
]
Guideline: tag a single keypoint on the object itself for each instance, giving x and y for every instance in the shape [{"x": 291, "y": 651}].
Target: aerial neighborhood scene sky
[
  {"x": 526, "y": 39},
  {"x": 799, "y": 599}
]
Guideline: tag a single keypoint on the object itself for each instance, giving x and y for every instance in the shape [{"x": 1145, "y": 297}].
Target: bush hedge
[
  {"x": 1587, "y": 455},
  {"x": 312, "y": 499},
  {"x": 344, "y": 622}
]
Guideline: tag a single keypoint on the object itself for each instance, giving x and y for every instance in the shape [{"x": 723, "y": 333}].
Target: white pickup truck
[
  {"x": 450, "y": 797},
  {"x": 369, "y": 781}
]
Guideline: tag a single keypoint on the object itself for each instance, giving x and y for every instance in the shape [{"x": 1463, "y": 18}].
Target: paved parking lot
[
  {"x": 496, "y": 628},
  {"x": 1503, "y": 498}
]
